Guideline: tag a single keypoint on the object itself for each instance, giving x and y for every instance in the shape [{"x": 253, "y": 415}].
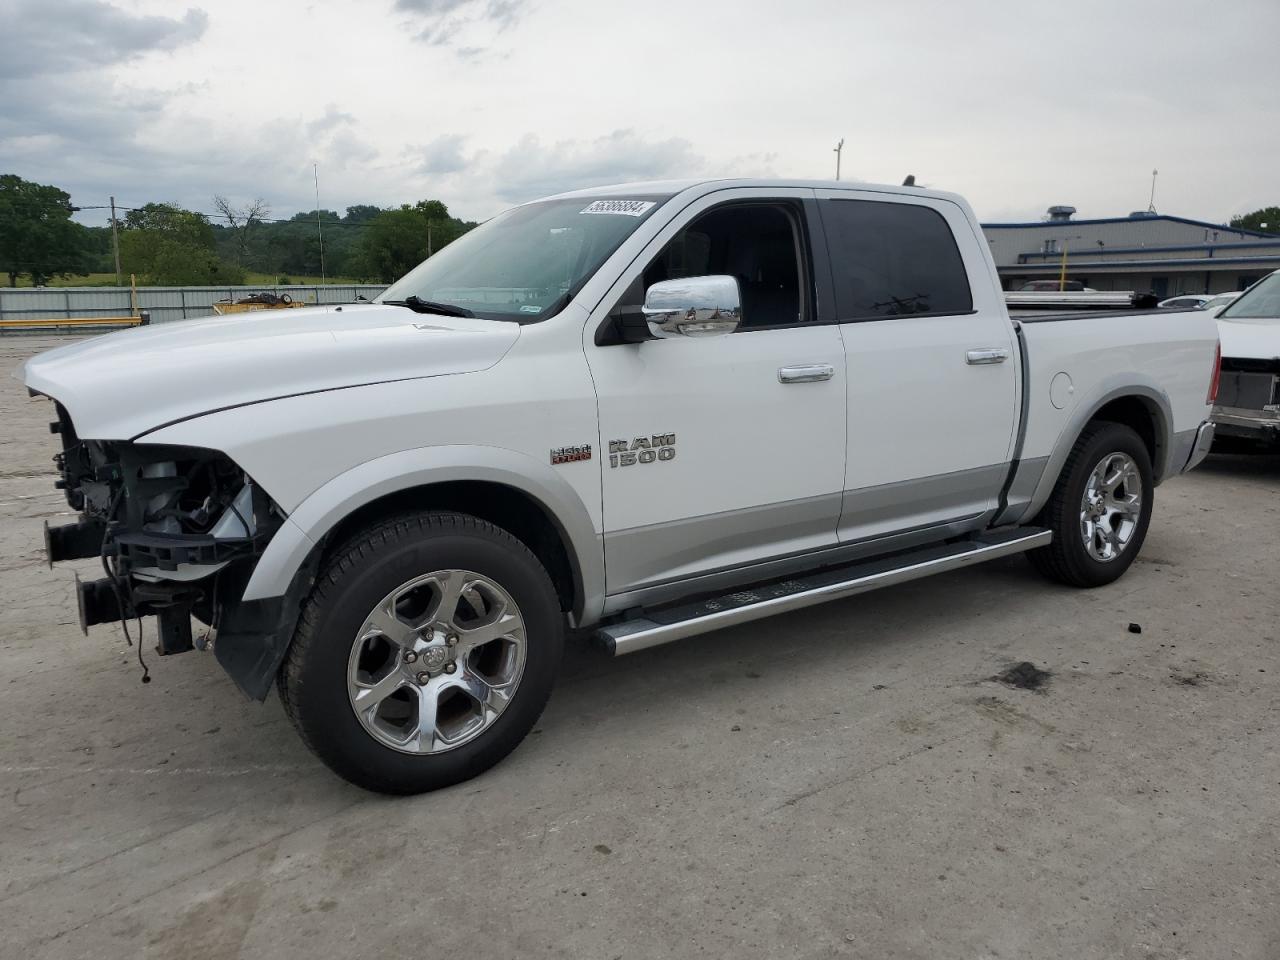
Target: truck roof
[{"x": 672, "y": 187}]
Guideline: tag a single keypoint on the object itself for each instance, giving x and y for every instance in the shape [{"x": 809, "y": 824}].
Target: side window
[
  {"x": 893, "y": 259},
  {"x": 757, "y": 243}
]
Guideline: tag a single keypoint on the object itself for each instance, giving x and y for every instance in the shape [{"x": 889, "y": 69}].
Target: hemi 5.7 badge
[{"x": 570, "y": 454}]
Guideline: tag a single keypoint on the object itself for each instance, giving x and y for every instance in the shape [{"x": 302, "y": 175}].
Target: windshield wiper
[{"x": 418, "y": 305}]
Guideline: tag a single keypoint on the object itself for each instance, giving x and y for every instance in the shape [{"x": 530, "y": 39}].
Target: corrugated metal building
[
  {"x": 1146, "y": 252},
  {"x": 163, "y": 303}
]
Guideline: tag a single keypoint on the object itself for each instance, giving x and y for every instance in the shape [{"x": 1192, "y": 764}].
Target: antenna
[
  {"x": 839, "y": 146},
  {"x": 1151, "y": 204},
  {"x": 319, "y": 230}
]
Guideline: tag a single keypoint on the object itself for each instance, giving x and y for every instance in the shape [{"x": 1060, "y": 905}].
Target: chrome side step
[{"x": 689, "y": 619}]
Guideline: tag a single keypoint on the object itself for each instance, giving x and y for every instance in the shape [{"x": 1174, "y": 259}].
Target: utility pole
[
  {"x": 115, "y": 243},
  {"x": 429, "y": 251},
  {"x": 319, "y": 230},
  {"x": 1151, "y": 204},
  {"x": 839, "y": 146},
  {"x": 1062, "y": 274}
]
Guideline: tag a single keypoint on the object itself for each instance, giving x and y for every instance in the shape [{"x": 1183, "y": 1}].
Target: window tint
[
  {"x": 893, "y": 259},
  {"x": 756, "y": 243}
]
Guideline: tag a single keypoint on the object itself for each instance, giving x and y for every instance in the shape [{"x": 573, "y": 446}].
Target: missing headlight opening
[{"x": 176, "y": 528}]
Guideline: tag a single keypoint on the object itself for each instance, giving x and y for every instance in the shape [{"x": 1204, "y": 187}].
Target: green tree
[
  {"x": 37, "y": 235},
  {"x": 396, "y": 241},
  {"x": 1266, "y": 220},
  {"x": 170, "y": 246},
  {"x": 361, "y": 213}
]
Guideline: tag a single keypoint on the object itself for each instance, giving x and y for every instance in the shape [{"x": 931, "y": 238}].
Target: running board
[{"x": 689, "y": 619}]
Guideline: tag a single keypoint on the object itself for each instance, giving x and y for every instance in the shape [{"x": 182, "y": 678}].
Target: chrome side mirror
[{"x": 693, "y": 307}]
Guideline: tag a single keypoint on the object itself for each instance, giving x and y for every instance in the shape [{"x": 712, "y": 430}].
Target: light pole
[
  {"x": 839, "y": 146},
  {"x": 315, "y": 168},
  {"x": 1151, "y": 204}
]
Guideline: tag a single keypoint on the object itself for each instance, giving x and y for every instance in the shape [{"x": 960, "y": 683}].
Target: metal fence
[{"x": 163, "y": 303}]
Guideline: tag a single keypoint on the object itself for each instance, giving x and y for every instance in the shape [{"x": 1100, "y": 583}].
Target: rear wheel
[
  {"x": 1100, "y": 509},
  {"x": 425, "y": 653}
]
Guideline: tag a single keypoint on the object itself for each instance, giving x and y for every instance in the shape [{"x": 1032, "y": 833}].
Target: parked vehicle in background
[
  {"x": 1045, "y": 286},
  {"x": 1248, "y": 407},
  {"x": 1186, "y": 301},
  {"x": 1218, "y": 301},
  {"x": 650, "y": 411}
]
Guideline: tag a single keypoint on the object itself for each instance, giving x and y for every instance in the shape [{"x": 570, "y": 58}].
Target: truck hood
[
  {"x": 121, "y": 385},
  {"x": 1250, "y": 339}
]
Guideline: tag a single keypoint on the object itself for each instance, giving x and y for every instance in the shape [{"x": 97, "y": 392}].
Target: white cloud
[
  {"x": 442, "y": 155},
  {"x": 43, "y": 37},
  {"x": 440, "y": 22},
  {"x": 482, "y": 103},
  {"x": 531, "y": 169}
]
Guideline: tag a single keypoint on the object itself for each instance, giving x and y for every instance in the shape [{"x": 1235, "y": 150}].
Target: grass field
[{"x": 109, "y": 280}]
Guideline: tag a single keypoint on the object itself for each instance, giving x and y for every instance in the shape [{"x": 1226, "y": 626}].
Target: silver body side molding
[{"x": 743, "y": 606}]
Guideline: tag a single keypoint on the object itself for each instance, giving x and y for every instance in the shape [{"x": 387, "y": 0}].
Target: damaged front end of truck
[{"x": 178, "y": 531}]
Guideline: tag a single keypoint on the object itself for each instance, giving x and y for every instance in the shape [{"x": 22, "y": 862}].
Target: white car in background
[
  {"x": 1248, "y": 405},
  {"x": 1185, "y": 301}
]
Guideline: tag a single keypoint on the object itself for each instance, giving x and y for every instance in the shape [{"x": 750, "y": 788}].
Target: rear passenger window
[{"x": 893, "y": 259}]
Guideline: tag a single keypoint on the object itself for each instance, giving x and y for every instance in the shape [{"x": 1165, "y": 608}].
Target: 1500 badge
[{"x": 658, "y": 446}]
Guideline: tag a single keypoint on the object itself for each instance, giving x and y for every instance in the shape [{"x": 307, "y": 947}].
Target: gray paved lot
[{"x": 844, "y": 783}]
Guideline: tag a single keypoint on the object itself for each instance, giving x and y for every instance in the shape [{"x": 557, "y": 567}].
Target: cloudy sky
[{"x": 482, "y": 103}]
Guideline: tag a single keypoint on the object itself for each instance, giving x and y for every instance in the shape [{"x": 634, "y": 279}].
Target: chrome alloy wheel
[
  {"x": 436, "y": 662},
  {"x": 1111, "y": 506}
]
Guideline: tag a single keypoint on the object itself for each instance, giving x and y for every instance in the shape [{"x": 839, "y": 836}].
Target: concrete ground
[{"x": 843, "y": 783}]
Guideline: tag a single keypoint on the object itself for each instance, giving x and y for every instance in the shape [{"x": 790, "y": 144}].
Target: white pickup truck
[{"x": 647, "y": 411}]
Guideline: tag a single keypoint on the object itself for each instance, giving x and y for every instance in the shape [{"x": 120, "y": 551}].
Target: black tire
[
  {"x": 1066, "y": 559},
  {"x": 313, "y": 678}
]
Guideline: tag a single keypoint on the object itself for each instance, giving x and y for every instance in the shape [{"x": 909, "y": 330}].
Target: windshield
[
  {"x": 525, "y": 264},
  {"x": 1259, "y": 302}
]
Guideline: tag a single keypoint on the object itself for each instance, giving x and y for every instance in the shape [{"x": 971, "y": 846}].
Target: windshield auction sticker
[{"x": 627, "y": 208}]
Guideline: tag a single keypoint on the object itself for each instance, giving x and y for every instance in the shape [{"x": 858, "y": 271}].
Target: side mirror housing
[{"x": 709, "y": 306}]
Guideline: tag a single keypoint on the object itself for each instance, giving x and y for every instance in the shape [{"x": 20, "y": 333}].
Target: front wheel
[
  {"x": 425, "y": 653},
  {"x": 1100, "y": 509}
]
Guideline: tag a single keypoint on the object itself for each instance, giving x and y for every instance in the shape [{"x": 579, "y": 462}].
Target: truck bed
[
  {"x": 1040, "y": 316},
  {"x": 1073, "y": 369}
]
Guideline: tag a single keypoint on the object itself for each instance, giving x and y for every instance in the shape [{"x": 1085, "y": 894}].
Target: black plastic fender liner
[
  {"x": 254, "y": 636},
  {"x": 251, "y": 644}
]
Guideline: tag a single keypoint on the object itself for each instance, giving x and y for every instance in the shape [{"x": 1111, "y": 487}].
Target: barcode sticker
[{"x": 626, "y": 208}]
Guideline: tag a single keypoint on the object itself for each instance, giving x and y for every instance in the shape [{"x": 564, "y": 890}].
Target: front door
[
  {"x": 714, "y": 453},
  {"x": 932, "y": 364}
]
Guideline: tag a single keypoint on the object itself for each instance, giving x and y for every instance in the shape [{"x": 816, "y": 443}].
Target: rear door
[
  {"x": 932, "y": 368},
  {"x": 720, "y": 452}
]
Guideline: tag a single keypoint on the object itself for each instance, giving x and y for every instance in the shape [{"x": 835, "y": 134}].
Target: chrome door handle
[
  {"x": 806, "y": 373},
  {"x": 987, "y": 355}
]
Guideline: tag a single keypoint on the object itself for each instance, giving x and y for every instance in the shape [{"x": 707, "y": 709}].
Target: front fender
[{"x": 322, "y": 510}]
